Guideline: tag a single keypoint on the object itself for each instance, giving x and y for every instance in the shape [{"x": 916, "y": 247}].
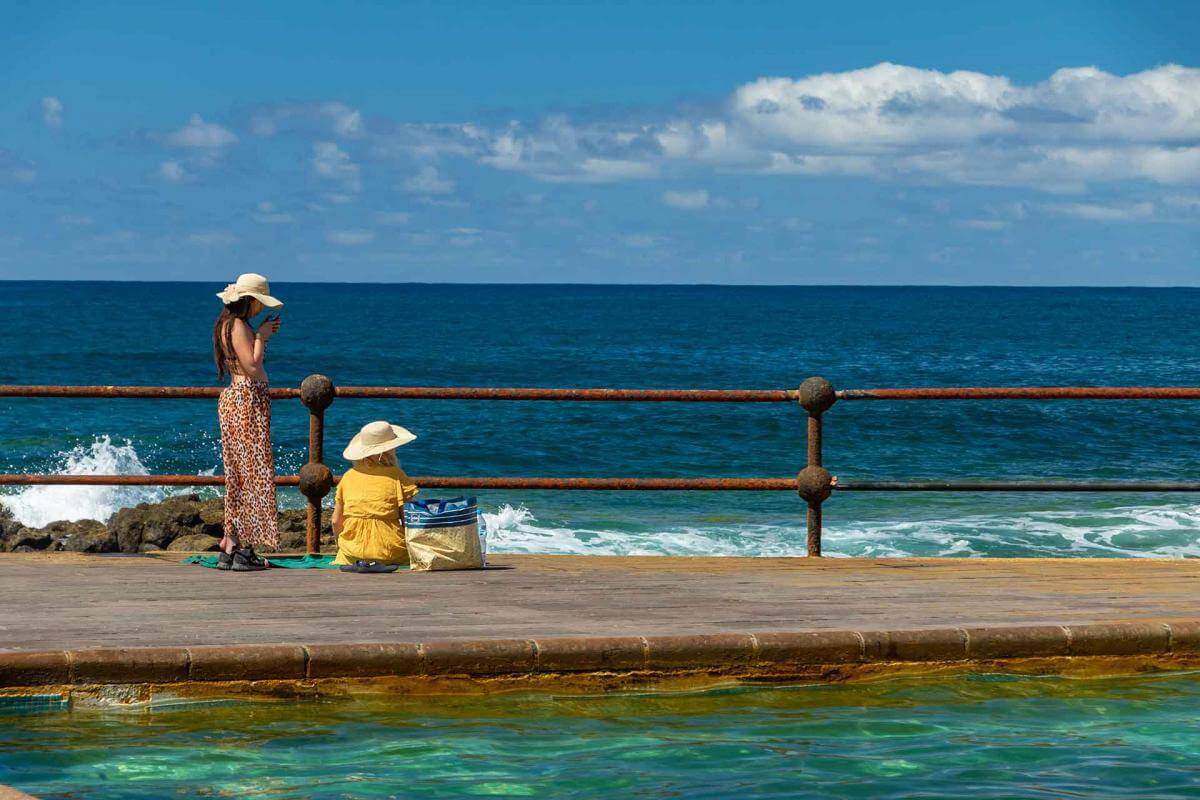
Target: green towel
[{"x": 286, "y": 562}]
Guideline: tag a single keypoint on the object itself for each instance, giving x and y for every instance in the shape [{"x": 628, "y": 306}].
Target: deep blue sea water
[{"x": 639, "y": 336}]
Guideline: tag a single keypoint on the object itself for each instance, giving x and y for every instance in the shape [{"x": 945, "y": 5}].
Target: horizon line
[{"x": 642, "y": 285}]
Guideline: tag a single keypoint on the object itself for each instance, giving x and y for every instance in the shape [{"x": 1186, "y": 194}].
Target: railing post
[
  {"x": 815, "y": 484},
  {"x": 316, "y": 392}
]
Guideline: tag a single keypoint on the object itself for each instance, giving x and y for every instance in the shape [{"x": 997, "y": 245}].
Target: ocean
[{"x": 652, "y": 336}]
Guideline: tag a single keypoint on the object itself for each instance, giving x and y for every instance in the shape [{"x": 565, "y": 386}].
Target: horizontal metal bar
[
  {"x": 128, "y": 480},
  {"x": 587, "y": 395},
  {"x": 1015, "y": 486},
  {"x": 426, "y": 393},
  {"x": 1027, "y": 393},
  {"x": 614, "y": 484},
  {"x": 434, "y": 482},
  {"x": 141, "y": 392},
  {"x": 631, "y": 395},
  {"x": 634, "y": 484}
]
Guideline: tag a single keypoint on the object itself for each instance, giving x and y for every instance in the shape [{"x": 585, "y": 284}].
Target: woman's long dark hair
[{"x": 223, "y": 332}]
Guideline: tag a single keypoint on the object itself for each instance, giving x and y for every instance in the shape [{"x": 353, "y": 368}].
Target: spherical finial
[
  {"x": 316, "y": 392},
  {"x": 817, "y": 395},
  {"x": 315, "y": 481},
  {"x": 815, "y": 484}
]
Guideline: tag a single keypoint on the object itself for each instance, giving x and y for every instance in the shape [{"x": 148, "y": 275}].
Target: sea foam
[
  {"x": 36, "y": 506},
  {"x": 1165, "y": 530}
]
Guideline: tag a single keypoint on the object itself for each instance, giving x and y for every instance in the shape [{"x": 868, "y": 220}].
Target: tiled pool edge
[{"x": 735, "y": 654}]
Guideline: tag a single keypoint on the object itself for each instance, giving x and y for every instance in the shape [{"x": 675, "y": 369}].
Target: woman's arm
[
  {"x": 339, "y": 516},
  {"x": 249, "y": 347}
]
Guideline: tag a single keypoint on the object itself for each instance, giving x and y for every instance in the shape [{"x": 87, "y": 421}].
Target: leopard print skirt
[{"x": 244, "y": 410}]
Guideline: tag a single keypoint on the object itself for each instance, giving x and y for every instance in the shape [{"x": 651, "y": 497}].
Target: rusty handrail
[
  {"x": 137, "y": 392},
  {"x": 1016, "y": 486},
  {"x": 632, "y": 484},
  {"x": 1027, "y": 393},
  {"x": 433, "y": 481},
  {"x": 814, "y": 484},
  {"x": 424, "y": 393}
]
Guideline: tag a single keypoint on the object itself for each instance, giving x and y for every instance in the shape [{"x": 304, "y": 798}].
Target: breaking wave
[
  {"x": 1169, "y": 529},
  {"x": 36, "y": 506}
]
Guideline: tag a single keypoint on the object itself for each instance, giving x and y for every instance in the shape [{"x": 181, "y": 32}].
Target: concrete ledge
[
  {"x": 721, "y": 650},
  {"x": 35, "y": 669},
  {"x": 248, "y": 662},
  {"x": 1041, "y": 641},
  {"x": 592, "y": 654},
  {"x": 737, "y": 654},
  {"x": 1117, "y": 639},
  {"x": 154, "y": 664},
  {"x": 363, "y": 660}
]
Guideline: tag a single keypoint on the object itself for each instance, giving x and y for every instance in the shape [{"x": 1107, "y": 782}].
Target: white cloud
[
  {"x": 330, "y": 161},
  {"x": 172, "y": 171},
  {"x": 201, "y": 135},
  {"x": 559, "y": 151},
  {"x": 268, "y": 214},
  {"x": 332, "y": 117},
  {"x": 689, "y": 200},
  {"x": 427, "y": 181},
  {"x": 889, "y": 122},
  {"x": 1137, "y": 212},
  {"x": 350, "y": 238},
  {"x": 52, "y": 112},
  {"x": 603, "y": 170}
]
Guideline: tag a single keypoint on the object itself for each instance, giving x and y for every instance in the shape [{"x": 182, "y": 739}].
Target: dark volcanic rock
[
  {"x": 159, "y": 524},
  {"x": 195, "y": 542},
  {"x": 20, "y": 539},
  {"x": 84, "y": 536},
  {"x": 13, "y": 533},
  {"x": 152, "y": 526}
]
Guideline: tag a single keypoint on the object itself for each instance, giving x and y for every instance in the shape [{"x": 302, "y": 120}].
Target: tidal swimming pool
[{"x": 987, "y": 736}]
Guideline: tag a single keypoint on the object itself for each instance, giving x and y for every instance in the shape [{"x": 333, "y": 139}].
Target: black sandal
[
  {"x": 246, "y": 560},
  {"x": 225, "y": 561},
  {"x": 363, "y": 567}
]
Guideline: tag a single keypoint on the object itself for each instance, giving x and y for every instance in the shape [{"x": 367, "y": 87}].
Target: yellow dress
[{"x": 372, "y": 499}]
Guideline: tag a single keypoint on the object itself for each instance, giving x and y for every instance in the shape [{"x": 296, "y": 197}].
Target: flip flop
[{"x": 365, "y": 567}]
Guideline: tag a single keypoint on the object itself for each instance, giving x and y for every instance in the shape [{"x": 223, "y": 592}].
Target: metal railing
[{"x": 814, "y": 484}]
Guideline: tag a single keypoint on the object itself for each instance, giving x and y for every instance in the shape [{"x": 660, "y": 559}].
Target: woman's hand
[{"x": 268, "y": 328}]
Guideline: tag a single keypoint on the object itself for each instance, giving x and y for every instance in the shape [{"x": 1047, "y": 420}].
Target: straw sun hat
[
  {"x": 376, "y": 437},
  {"x": 251, "y": 284}
]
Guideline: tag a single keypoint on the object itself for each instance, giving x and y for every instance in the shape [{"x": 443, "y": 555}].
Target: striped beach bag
[{"x": 444, "y": 534}]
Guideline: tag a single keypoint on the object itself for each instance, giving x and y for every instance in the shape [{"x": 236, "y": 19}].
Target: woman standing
[{"x": 244, "y": 410}]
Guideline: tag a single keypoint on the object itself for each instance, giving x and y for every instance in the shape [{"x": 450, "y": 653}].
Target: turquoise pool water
[{"x": 982, "y": 736}]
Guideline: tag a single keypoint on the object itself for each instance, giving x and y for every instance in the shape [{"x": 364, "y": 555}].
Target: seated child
[{"x": 368, "y": 516}]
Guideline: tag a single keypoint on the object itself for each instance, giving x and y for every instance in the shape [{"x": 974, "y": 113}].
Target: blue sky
[{"x": 945, "y": 143}]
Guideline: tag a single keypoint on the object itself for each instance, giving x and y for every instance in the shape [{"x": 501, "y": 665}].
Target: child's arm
[{"x": 339, "y": 516}]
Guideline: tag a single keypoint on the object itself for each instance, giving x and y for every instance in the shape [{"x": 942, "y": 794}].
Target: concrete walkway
[{"x": 67, "y": 602}]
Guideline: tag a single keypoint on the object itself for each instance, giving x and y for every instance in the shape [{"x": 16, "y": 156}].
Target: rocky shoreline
[{"x": 182, "y": 523}]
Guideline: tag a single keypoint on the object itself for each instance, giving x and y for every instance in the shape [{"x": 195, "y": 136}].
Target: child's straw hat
[{"x": 375, "y": 438}]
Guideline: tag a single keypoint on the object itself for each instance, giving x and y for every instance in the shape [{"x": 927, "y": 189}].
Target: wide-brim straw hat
[
  {"x": 251, "y": 284},
  {"x": 375, "y": 438}
]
